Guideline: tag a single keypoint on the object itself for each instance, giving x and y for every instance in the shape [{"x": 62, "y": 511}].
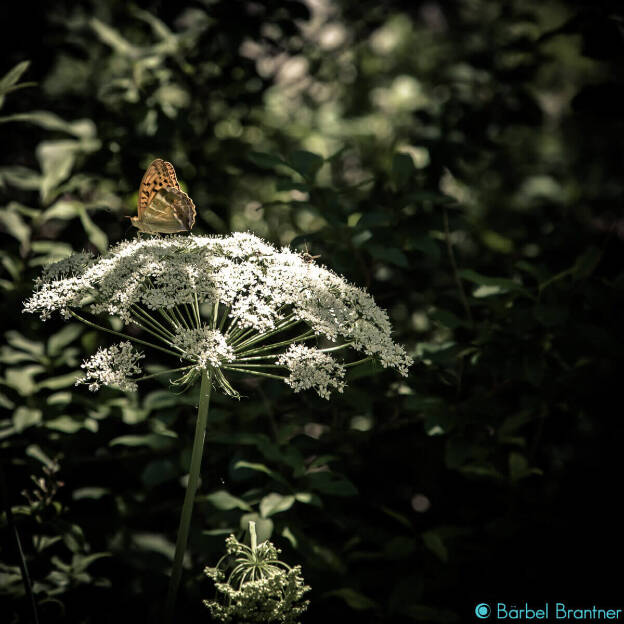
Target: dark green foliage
[{"x": 460, "y": 160}]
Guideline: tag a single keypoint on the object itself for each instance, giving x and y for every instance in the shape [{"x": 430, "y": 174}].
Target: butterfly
[{"x": 162, "y": 206}]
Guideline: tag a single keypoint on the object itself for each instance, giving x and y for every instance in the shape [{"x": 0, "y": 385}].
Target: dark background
[{"x": 475, "y": 143}]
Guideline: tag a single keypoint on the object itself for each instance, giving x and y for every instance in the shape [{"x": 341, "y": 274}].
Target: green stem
[
  {"x": 163, "y": 372},
  {"x": 196, "y": 311},
  {"x": 139, "y": 322},
  {"x": 252, "y": 534},
  {"x": 342, "y": 346},
  {"x": 189, "y": 496},
  {"x": 253, "y": 372},
  {"x": 116, "y": 333},
  {"x": 148, "y": 318},
  {"x": 305, "y": 336},
  {"x": 350, "y": 364}
]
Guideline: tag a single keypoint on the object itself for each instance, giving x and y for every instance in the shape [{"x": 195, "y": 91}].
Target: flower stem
[
  {"x": 253, "y": 372},
  {"x": 126, "y": 336},
  {"x": 252, "y": 534},
  {"x": 189, "y": 496},
  {"x": 163, "y": 372}
]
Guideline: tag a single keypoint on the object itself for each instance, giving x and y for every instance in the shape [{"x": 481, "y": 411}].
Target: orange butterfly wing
[{"x": 160, "y": 174}]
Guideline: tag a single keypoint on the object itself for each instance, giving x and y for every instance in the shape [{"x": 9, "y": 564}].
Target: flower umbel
[
  {"x": 224, "y": 304},
  {"x": 113, "y": 366},
  {"x": 259, "y": 588}
]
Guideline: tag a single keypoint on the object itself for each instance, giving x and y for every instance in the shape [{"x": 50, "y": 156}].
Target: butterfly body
[{"x": 162, "y": 206}]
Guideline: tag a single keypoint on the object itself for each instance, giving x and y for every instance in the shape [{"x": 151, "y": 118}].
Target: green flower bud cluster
[{"x": 254, "y": 586}]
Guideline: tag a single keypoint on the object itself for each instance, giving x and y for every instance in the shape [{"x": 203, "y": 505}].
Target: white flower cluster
[
  {"x": 113, "y": 366},
  {"x": 259, "y": 285},
  {"x": 259, "y": 589},
  {"x": 311, "y": 368},
  {"x": 206, "y": 346}
]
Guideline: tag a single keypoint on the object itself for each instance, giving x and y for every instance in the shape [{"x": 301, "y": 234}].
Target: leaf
[
  {"x": 57, "y": 342},
  {"x": 62, "y": 381},
  {"x": 95, "y": 234},
  {"x": 81, "y": 128},
  {"x": 289, "y": 535},
  {"x": 373, "y": 218},
  {"x": 159, "y": 471},
  {"x": 308, "y": 498},
  {"x": 402, "y": 169},
  {"x": 74, "y": 539},
  {"x": 19, "y": 341},
  {"x": 264, "y": 160},
  {"x": 12, "y": 76},
  {"x": 20, "y": 177},
  {"x": 25, "y": 417},
  {"x": 5, "y": 402},
  {"x": 426, "y": 245},
  {"x": 393, "y": 255},
  {"x": 353, "y": 598},
  {"x": 64, "y": 424},
  {"x": 8, "y": 82},
  {"x": 80, "y": 562},
  {"x": 112, "y": 38},
  {"x": 587, "y": 262},
  {"x": 63, "y": 209},
  {"x": 22, "y": 379},
  {"x": 275, "y": 503},
  {"x": 152, "y": 440},
  {"x": 435, "y": 544},
  {"x": 331, "y": 483},
  {"x": 16, "y": 227},
  {"x": 306, "y": 163},
  {"x": 260, "y": 468},
  {"x": 519, "y": 467},
  {"x": 155, "y": 542},
  {"x": 491, "y": 285},
  {"x": 57, "y": 159},
  {"x": 430, "y": 196},
  {"x": 160, "y": 399},
  {"x": 282, "y": 184},
  {"x": 551, "y": 315},
  {"x": 447, "y": 319},
  {"x": 33, "y": 450},
  {"x": 224, "y": 501},
  {"x": 90, "y": 492},
  {"x": 399, "y": 547}
]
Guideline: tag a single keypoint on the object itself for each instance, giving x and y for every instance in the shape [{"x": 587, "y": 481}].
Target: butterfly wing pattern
[{"x": 162, "y": 206}]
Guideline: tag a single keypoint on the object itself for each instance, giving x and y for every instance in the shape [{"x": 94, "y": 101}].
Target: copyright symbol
[{"x": 483, "y": 610}]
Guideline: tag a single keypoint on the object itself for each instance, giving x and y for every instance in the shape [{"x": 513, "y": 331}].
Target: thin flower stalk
[{"x": 189, "y": 496}]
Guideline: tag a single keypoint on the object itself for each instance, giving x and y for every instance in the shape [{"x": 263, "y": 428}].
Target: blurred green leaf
[
  {"x": 266, "y": 161},
  {"x": 274, "y": 503},
  {"x": 392, "y": 255},
  {"x": 354, "y": 599},
  {"x": 152, "y": 440},
  {"x": 225, "y": 501},
  {"x": 64, "y": 337},
  {"x": 241, "y": 464},
  {"x": 402, "y": 169},
  {"x": 25, "y": 417},
  {"x": 331, "y": 483},
  {"x": 435, "y": 544},
  {"x": 306, "y": 163},
  {"x": 8, "y": 82}
]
